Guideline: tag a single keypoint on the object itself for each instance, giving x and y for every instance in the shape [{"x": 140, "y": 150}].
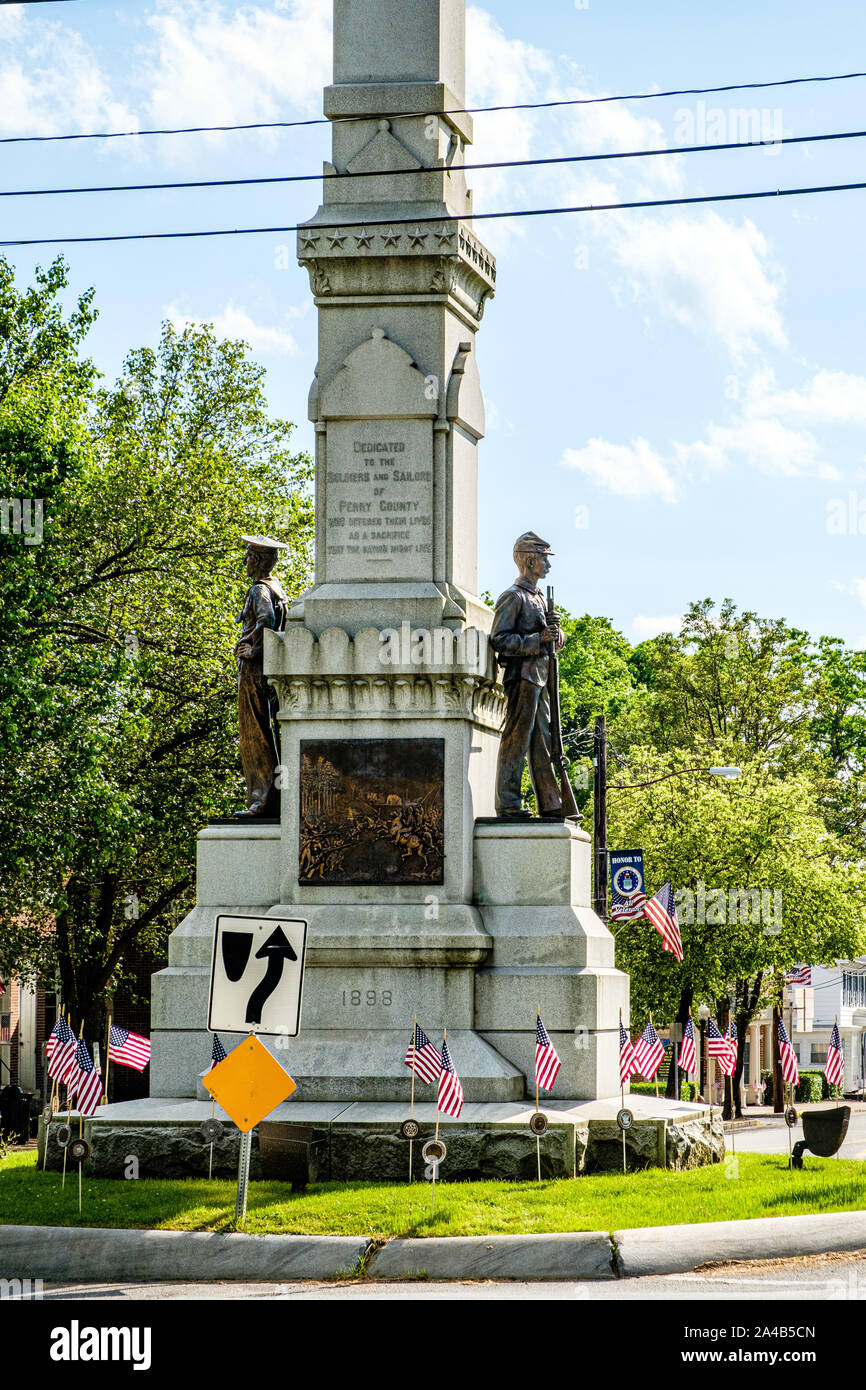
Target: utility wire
[
  {"x": 433, "y": 169},
  {"x": 445, "y": 218},
  {"x": 414, "y": 115}
]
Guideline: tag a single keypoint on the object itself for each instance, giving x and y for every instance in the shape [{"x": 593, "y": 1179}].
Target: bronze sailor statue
[{"x": 265, "y": 606}]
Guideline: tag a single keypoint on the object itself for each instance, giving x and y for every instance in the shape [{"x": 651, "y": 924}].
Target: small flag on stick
[
  {"x": 649, "y": 1051},
  {"x": 547, "y": 1063},
  {"x": 733, "y": 1039},
  {"x": 787, "y": 1056},
  {"x": 719, "y": 1046},
  {"x": 663, "y": 914},
  {"x": 450, "y": 1090},
  {"x": 128, "y": 1049},
  {"x": 834, "y": 1068},
  {"x": 688, "y": 1057},
  {"x": 60, "y": 1051},
  {"x": 422, "y": 1057},
  {"x": 86, "y": 1083},
  {"x": 217, "y": 1052},
  {"x": 628, "y": 1066}
]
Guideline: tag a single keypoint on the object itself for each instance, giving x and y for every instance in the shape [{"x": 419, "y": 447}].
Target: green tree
[
  {"x": 120, "y": 733},
  {"x": 761, "y": 882}
]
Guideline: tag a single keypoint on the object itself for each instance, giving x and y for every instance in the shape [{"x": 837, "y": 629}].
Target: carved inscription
[{"x": 379, "y": 489}]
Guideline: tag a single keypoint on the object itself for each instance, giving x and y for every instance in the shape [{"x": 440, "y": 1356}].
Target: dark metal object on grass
[{"x": 823, "y": 1133}]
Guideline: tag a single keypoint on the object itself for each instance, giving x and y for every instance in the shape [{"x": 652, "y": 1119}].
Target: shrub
[{"x": 809, "y": 1087}]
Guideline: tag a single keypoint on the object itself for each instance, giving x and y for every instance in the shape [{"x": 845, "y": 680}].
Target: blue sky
[{"x": 693, "y": 380}]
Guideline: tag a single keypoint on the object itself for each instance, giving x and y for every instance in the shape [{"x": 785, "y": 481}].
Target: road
[
  {"x": 770, "y": 1136},
  {"x": 819, "y": 1278}
]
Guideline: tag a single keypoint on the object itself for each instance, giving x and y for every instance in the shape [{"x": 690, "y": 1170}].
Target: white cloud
[
  {"x": 829, "y": 398},
  {"x": 629, "y": 470},
  {"x": 644, "y": 628},
  {"x": 709, "y": 275},
  {"x": 767, "y": 445},
  {"x": 214, "y": 65},
  {"x": 51, "y": 82},
  {"x": 234, "y": 322}
]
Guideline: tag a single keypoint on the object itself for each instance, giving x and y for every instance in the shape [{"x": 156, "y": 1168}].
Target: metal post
[
  {"x": 244, "y": 1152},
  {"x": 599, "y": 799}
]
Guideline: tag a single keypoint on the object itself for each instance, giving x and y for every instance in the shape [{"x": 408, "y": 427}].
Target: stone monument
[{"x": 419, "y": 900}]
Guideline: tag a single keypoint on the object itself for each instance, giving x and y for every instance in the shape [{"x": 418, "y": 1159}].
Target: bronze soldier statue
[
  {"x": 265, "y": 605},
  {"x": 525, "y": 635}
]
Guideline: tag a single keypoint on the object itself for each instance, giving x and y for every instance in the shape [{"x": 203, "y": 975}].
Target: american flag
[
  {"x": 627, "y": 1061},
  {"x": 547, "y": 1062},
  {"x": 719, "y": 1046},
  {"x": 787, "y": 1055},
  {"x": 834, "y": 1068},
  {"x": 422, "y": 1057},
  {"x": 800, "y": 975},
  {"x": 2, "y": 987},
  {"x": 60, "y": 1050},
  {"x": 450, "y": 1090},
  {"x": 661, "y": 912},
  {"x": 733, "y": 1039},
  {"x": 688, "y": 1058},
  {"x": 128, "y": 1049},
  {"x": 217, "y": 1053},
  {"x": 648, "y": 1052},
  {"x": 85, "y": 1084}
]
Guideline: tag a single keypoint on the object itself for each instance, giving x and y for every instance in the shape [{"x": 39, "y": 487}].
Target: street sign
[
  {"x": 249, "y": 1084},
  {"x": 257, "y": 975}
]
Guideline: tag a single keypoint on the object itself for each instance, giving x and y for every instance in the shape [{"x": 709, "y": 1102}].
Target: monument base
[{"x": 362, "y": 1141}]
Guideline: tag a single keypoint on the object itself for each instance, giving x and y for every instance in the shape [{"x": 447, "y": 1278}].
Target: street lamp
[{"x": 731, "y": 773}]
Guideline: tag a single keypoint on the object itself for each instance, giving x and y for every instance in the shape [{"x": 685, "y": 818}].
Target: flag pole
[
  {"x": 51, "y": 1099},
  {"x": 68, "y": 1114},
  {"x": 538, "y": 1136},
  {"x": 622, "y": 1097},
  {"x": 80, "y": 1116},
  {"x": 656, "y": 1077},
  {"x": 210, "y": 1157},
  {"x": 104, "y": 1100},
  {"x": 412, "y": 1092}
]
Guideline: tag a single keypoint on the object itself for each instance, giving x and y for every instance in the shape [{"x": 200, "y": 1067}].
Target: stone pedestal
[{"x": 390, "y": 703}]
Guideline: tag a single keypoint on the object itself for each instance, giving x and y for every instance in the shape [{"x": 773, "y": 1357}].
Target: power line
[
  {"x": 417, "y": 222},
  {"x": 433, "y": 169},
  {"x": 414, "y": 115}
]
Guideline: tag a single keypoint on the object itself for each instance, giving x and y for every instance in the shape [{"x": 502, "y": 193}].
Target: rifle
[{"x": 557, "y": 753}]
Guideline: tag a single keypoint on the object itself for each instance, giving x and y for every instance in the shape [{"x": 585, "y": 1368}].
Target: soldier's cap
[
  {"x": 531, "y": 544},
  {"x": 265, "y": 543}
]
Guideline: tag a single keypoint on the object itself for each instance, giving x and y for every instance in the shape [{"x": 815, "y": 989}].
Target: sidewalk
[{"x": 95, "y": 1254}]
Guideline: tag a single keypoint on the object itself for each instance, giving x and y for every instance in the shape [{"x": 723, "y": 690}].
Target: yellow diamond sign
[{"x": 249, "y": 1084}]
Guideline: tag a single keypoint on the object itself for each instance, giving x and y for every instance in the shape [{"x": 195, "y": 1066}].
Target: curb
[
  {"x": 681, "y": 1249},
  {"x": 570, "y": 1255},
  {"x": 96, "y": 1253}
]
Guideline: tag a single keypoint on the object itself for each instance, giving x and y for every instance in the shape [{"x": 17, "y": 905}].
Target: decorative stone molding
[{"x": 439, "y": 674}]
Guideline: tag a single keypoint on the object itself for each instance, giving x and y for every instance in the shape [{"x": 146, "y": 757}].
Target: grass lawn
[{"x": 763, "y": 1186}]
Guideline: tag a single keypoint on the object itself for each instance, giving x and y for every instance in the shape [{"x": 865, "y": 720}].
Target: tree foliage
[{"x": 118, "y": 695}]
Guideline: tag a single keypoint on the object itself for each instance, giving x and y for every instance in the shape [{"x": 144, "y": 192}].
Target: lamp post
[{"x": 703, "y": 1015}]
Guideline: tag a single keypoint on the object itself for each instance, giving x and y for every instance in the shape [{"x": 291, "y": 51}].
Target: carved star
[
  {"x": 336, "y": 239},
  {"x": 309, "y": 240},
  {"x": 444, "y": 234},
  {"x": 417, "y": 237},
  {"x": 390, "y": 237},
  {"x": 363, "y": 238}
]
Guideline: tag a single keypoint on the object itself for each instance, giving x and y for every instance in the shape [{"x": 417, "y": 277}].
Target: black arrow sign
[{"x": 275, "y": 950}]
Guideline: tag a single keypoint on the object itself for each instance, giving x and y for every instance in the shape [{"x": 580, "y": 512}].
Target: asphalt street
[
  {"x": 819, "y": 1278},
  {"x": 770, "y": 1135}
]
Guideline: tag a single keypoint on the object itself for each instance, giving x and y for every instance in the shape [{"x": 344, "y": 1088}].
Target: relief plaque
[{"x": 372, "y": 811}]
